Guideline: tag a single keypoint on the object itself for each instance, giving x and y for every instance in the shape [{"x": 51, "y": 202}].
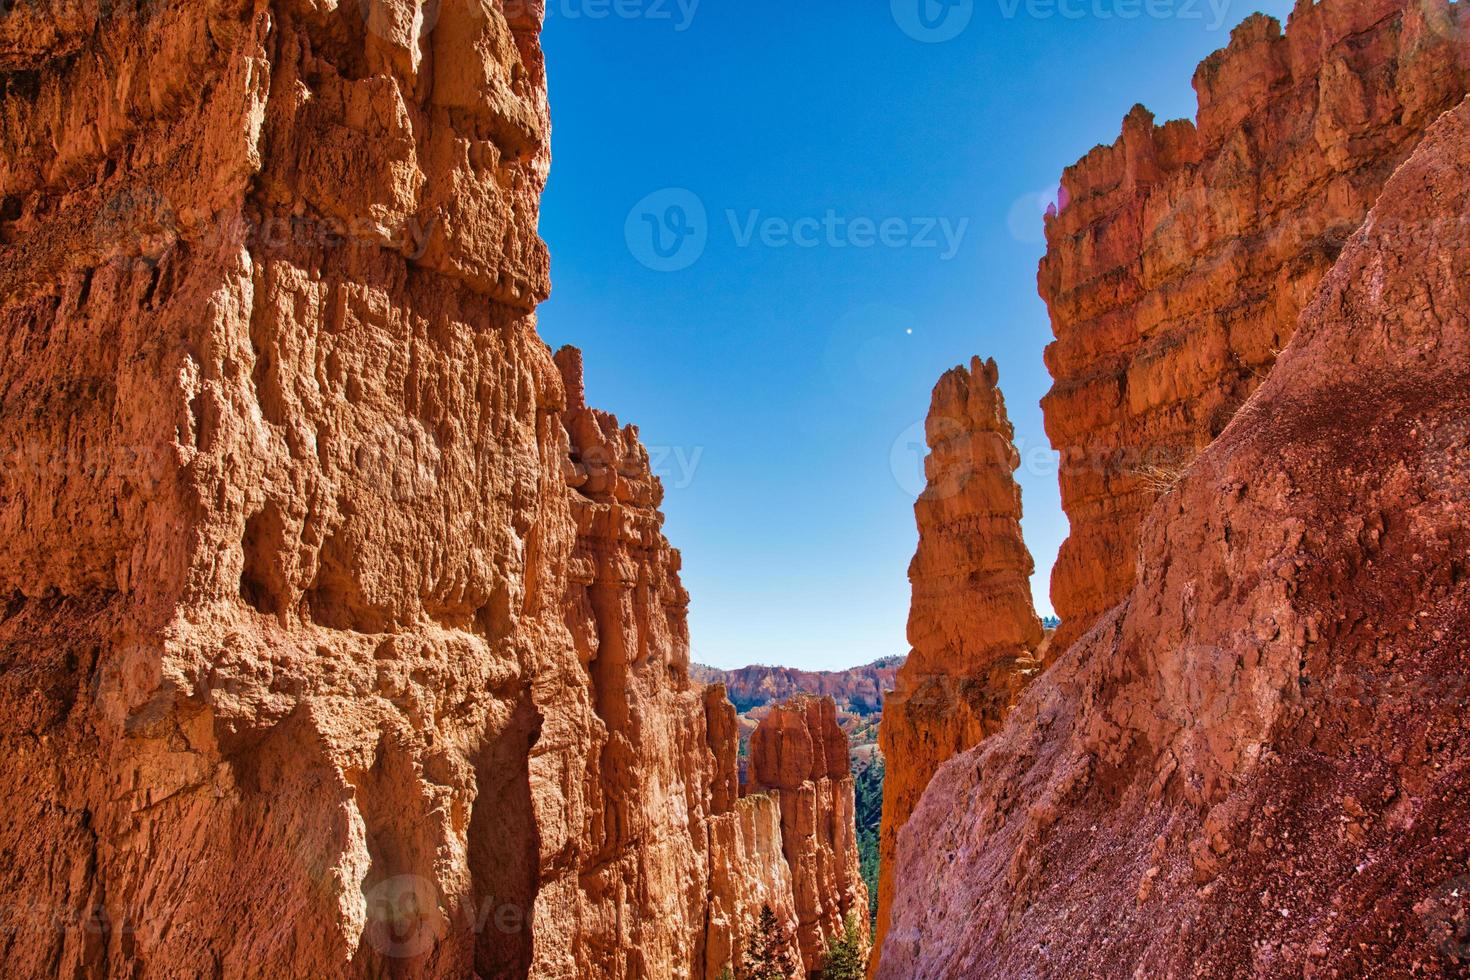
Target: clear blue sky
[{"x": 871, "y": 217}]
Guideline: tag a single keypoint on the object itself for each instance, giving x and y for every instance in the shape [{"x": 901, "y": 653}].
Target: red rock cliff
[
  {"x": 974, "y": 631},
  {"x": 338, "y": 636},
  {"x": 799, "y": 757},
  {"x": 1255, "y": 765},
  {"x": 1183, "y": 254}
]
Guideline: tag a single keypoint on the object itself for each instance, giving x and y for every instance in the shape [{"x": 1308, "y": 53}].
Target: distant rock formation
[
  {"x": 859, "y": 690},
  {"x": 799, "y": 757},
  {"x": 1182, "y": 255},
  {"x": 975, "y": 634},
  {"x": 1252, "y": 762}
]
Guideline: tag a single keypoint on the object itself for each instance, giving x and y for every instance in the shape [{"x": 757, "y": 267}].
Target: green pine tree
[
  {"x": 845, "y": 959},
  {"x": 768, "y": 953}
]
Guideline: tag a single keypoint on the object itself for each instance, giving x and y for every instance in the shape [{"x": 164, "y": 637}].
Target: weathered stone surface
[
  {"x": 338, "y": 636},
  {"x": 1255, "y": 765},
  {"x": 799, "y": 756},
  {"x": 748, "y": 869},
  {"x": 974, "y": 630},
  {"x": 1183, "y": 254}
]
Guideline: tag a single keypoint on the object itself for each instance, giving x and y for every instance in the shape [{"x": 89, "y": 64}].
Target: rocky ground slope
[{"x": 1256, "y": 763}]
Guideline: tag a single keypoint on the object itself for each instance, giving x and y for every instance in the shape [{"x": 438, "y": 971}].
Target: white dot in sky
[{"x": 909, "y": 330}]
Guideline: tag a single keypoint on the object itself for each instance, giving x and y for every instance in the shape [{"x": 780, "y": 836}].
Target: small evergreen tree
[
  {"x": 845, "y": 959},
  {"x": 768, "y": 952}
]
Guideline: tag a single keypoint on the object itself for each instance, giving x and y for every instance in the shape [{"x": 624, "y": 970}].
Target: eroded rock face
[
  {"x": 975, "y": 633},
  {"x": 1183, "y": 254},
  {"x": 799, "y": 757},
  {"x": 339, "y": 637},
  {"x": 1256, "y": 764}
]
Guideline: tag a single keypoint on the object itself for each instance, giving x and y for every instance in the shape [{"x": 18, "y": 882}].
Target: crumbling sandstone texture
[
  {"x": 972, "y": 625},
  {"x": 799, "y": 757},
  {"x": 338, "y": 636},
  {"x": 1256, "y": 765},
  {"x": 1183, "y": 254}
]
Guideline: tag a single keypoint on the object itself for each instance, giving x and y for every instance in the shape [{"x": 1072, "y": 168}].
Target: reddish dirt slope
[{"x": 1259, "y": 762}]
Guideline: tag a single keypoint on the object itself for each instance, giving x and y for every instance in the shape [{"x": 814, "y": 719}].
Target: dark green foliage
[
  {"x": 1050, "y": 622},
  {"x": 868, "y": 786},
  {"x": 845, "y": 959},
  {"x": 768, "y": 953}
]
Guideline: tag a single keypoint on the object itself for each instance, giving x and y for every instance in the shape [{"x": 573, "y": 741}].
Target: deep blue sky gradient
[{"x": 779, "y": 386}]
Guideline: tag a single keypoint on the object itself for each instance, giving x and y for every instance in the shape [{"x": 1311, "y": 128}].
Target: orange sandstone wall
[
  {"x": 799, "y": 758},
  {"x": 974, "y": 631},
  {"x": 338, "y": 637},
  {"x": 1255, "y": 765},
  {"x": 1182, "y": 254}
]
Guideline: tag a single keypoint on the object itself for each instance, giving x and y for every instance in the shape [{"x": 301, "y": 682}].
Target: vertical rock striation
[
  {"x": 1256, "y": 764},
  {"x": 338, "y": 637},
  {"x": 974, "y": 630},
  {"x": 799, "y": 757},
  {"x": 1182, "y": 254}
]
